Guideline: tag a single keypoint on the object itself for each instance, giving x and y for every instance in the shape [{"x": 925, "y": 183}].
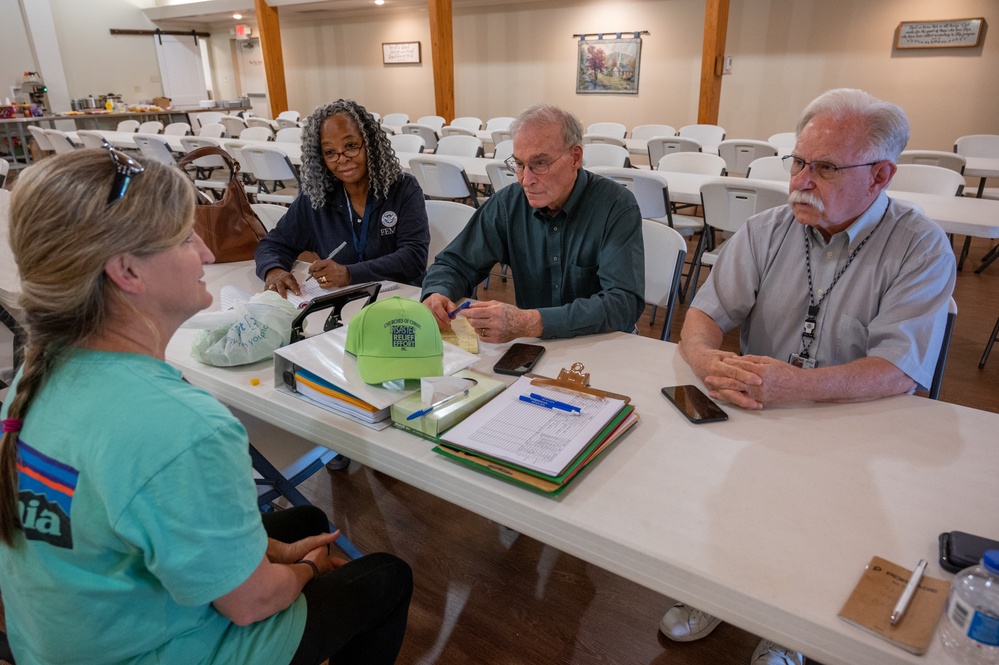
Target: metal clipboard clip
[
  {"x": 575, "y": 381},
  {"x": 336, "y": 302}
]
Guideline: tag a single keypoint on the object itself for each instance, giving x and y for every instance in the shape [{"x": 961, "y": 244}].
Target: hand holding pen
[{"x": 322, "y": 278}]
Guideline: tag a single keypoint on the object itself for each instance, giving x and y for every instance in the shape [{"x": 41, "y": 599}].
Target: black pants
[{"x": 357, "y": 612}]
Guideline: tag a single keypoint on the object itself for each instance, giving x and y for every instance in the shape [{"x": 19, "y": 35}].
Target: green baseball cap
[{"x": 394, "y": 339}]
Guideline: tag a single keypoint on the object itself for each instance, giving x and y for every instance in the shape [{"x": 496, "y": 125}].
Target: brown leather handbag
[{"x": 228, "y": 226}]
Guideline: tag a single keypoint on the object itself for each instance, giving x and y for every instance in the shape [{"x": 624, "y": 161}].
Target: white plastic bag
[{"x": 248, "y": 332}]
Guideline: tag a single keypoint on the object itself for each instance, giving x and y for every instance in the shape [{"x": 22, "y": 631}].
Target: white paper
[{"x": 436, "y": 388}]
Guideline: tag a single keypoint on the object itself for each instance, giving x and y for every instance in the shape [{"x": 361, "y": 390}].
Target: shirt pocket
[
  {"x": 850, "y": 340},
  {"x": 583, "y": 282}
]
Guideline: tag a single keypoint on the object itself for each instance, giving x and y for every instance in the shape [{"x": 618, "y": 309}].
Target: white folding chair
[
  {"x": 499, "y": 175},
  {"x": 665, "y": 250},
  {"x": 128, "y": 126},
  {"x": 293, "y": 116},
  {"x": 459, "y": 146},
  {"x": 942, "y": 158},
  {"x": 256, "y": 134},
  {"x": 727, "y": 205},
  {"x": 155, "y": 147},
  {"x": 498, "y": 123},
  {"x": 692, "y": 162},
  {"x": 768, "y": 168},
  {"x": 450, "y": 130},
  {"x": 428, "y": 133},
  {"x": 739, "y": 153},
  {"x": 784, "y": 142},
  {"x": 269, "y": 214},
  {"x": 210, "y": 173},
  {"x": 177, "y": 129},
  {"x": 284, "y": 123},
  {"x": 289, "y": 135},
  {"x": 206, "y": 118},
  {"x": 235, "y": 149},
  {"x": 254, "y": 121},
  {"x": 614, "y": 129},
  {"x": 468, "y": 122},
  {"x": 4, "y": 170},
  {"x": 447, "y": 219},
  {"x": 503, "y": 149},
  {"x": 603, "y": 138},
  {"x": 41, "y": 139},
  {"x": 604, "y": 154},
  {"x": 59, "y": 140},
  {"x": 395, "y": 119},
  {"x": 434, "y": 121},
  {"x": 407, "y": 142},
  {"x": 150, "y": 127},
  {"x": 927, "y": 179},
  {"x": 709, "y": 136},
  {"x": 271, "y": 165},
  {"x": 91, "y": 138},
  {"x": 234, "y": 125},
  {"x": 646, "y": 132},
  {"x": 659, "y": 146},
  {"x": 938, "y": 369},
  {"x": 212, "y": 131},
  {"x": 442, "y": 178},
  {"x": 500, "y": 135}
]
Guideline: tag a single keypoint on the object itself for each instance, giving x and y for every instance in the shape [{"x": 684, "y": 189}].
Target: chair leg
[
  {"x": 988, "y": 259},
  {"x": 988, "y": 347},
  {"x": 285, "y": 488}
]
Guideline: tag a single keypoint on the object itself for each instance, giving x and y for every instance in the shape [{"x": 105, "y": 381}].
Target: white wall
[{"x": 17, "y": 57}]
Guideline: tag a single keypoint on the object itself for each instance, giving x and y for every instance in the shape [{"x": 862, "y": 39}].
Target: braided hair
[
  {"x": 62, "y": 233},
  {"x": 383, "y": 166}
]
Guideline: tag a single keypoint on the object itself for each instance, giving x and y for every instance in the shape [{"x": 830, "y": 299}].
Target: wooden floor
[{"x": 485, "y": 594}]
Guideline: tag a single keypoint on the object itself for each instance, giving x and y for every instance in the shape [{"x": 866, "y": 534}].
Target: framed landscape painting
[{"x": 608, "y": 66}]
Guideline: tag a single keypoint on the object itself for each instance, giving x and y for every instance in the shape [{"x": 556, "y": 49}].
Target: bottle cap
[{"x": 991, "y": 561}]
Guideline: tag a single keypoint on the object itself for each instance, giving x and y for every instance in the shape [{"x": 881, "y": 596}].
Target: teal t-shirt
[{"x": 138, "y": 509}]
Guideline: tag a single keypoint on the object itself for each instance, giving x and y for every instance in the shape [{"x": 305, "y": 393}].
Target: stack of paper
[
  {"x": 533, "y": 445},
  {"x": 455, "y": 400},
  {"x": 327, "y": 395}
]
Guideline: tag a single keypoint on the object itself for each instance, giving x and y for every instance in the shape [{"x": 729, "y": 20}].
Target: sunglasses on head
[{"x": 125, "y": 168}]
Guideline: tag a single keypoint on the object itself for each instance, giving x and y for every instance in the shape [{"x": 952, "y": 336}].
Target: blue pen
[
  {"x": 554, "y": 402},
  {"x": 550, "y": 405},
  {"x": 460, "y": 307},
  {"x": 423, "y": 412}
]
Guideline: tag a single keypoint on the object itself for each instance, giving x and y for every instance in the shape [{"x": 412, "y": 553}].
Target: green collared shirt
[{"x": 583, "y": 268}]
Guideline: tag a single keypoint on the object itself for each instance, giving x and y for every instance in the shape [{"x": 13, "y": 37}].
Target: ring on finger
[{"x": 322, "y": 279}]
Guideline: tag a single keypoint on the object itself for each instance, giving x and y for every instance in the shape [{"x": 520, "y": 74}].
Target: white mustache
[{"x": 807, "y": 198}]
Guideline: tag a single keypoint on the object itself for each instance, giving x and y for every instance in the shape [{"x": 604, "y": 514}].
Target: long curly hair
[{"x": 383, "y": 166}]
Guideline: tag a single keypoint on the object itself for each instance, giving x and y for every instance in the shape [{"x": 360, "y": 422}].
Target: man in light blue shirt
[{"x": 841, "y": 295}]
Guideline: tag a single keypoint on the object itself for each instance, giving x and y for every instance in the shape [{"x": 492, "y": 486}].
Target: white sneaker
[
  {"x": 768, "y": 653},
  {"x": 686, "y": 624}
]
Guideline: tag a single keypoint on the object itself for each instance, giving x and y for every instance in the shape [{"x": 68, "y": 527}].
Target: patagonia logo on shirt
[{"x": 45, "y": 496}]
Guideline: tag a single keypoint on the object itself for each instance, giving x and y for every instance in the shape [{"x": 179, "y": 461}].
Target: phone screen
[
  {"x": 519, "y": 359},
  {"x": 694, "y": 404}
]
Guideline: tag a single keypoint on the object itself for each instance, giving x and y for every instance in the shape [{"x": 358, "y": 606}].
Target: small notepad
[{"x": 870, "y": 605}]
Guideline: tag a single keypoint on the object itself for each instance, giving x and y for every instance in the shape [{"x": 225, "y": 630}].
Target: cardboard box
[
  {"x": 162, "y": 102},
  {"x": 447, "y": 415}
]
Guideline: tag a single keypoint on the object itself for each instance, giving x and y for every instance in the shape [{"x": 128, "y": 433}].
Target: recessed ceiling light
[
  {"x": 237, "y": 16},
  {"x": 379, "y": 2}
]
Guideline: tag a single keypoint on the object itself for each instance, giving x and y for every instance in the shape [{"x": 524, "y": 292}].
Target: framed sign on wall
[
  {"x": 957, "y": 33},
  {"x": 398, "y": 53},
  {"x": 608, "y": 66}
]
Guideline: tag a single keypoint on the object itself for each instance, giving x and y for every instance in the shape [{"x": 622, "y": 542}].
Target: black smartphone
[
  {"x": 960, "y": 550},
  {"x": 694, "y": 404},
  {"x": 519, "y": 359}
]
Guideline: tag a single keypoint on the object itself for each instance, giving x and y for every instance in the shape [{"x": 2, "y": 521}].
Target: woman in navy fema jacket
[{"x": 364, "y": 217}]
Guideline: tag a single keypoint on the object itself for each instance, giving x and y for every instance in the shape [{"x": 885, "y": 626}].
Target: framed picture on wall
[
  {"x": 608, "y": 66},
  {"x": 957, "y": 33},
  {"x": 400, "y": 53}
]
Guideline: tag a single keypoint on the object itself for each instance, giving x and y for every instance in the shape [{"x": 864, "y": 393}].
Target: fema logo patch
[
  {"x": 389, "y": 219},
  {"x": 403, "y": 336}
]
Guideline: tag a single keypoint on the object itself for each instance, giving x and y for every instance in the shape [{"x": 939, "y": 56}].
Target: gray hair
[
  {"x": 549, "y": 114},
  {"x": 886, "y": 123},
  {"x": 383, "y": 166}
]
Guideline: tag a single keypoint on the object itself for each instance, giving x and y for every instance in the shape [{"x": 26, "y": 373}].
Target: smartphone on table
[
  {"x": 694, "y": 404},
  {"x": 519, "y": 359}
]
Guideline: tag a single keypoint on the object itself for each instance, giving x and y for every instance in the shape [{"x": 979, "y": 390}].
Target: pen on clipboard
[
  {"x": 331, "y": 255},
  {"x": 550, "y": 404},
  {"x": 457, "y": 309},
  {"x": 440, "y": 402},
  {"x": 910, "y": 590}
]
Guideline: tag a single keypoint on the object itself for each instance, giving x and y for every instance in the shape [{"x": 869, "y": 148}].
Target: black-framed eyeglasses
[
  {"x": 537, "y": 167},
  {"x": 825, "y": 170},
  {"x": 331, "y": 155},
  {"x": 125, "y": 169}
]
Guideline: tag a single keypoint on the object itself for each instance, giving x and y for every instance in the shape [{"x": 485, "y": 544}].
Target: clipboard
[
  {"x": 575, "y": 381},
  {"x": 336, "y": 302}
]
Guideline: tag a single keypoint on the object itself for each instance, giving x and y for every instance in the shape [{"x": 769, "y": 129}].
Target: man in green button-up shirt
[{"x": 573, "y": 240}]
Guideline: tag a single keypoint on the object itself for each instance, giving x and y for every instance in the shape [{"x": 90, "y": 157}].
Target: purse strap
[{"x": 209, "y": 151}]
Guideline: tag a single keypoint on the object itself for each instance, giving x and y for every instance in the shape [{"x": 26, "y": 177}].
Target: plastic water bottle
[{"x": 970, "y": 629}]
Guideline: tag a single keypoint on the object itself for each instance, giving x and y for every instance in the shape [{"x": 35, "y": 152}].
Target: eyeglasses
[
  {"x": 539, "y": 167},
  {"x": 331, "y": 155},
  {"x": 125, "y": 168},
  {"x": 825, "y": 170}
]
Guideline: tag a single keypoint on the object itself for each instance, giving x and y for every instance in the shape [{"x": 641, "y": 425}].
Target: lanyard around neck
[{"x": 360, "y": 235}]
